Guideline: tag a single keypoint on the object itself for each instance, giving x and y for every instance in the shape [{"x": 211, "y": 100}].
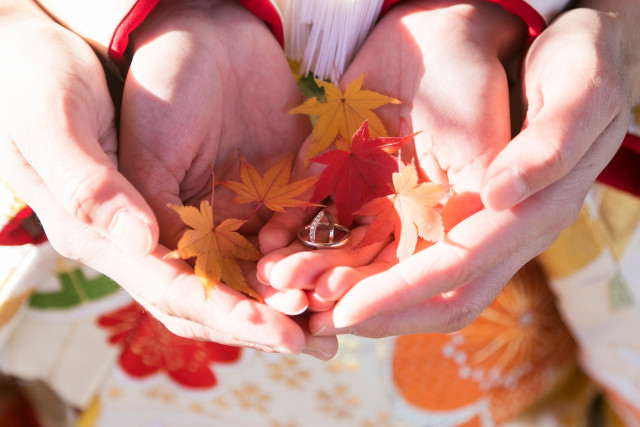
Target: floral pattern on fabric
[
  {"x": 150, "y": 348},
  {"x": 495, "y": 367}
]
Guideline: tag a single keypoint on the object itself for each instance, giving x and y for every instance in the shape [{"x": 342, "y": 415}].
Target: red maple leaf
[
  {"x": 149, "y": 348},
  {"x": 354, "y": 177}
]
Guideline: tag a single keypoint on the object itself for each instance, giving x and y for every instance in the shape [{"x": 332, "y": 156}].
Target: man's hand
[
  {"x": 60, "y": 153},
  {"x": 443, "y": 60}
]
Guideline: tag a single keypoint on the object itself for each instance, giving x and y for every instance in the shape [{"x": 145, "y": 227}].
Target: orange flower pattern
[{"x": 506, "y": 358}]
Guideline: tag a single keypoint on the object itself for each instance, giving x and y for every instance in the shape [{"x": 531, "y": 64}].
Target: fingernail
[
  {"x": 317, "y": 353},
  {"x": 283, "y": 350},
  {"x": 505, "y": 189},
  {"x": 302, "y": 310},
  {"x": 326, "y": 329},
  {"x": 345, "y": 320},
  {"x": 341, "y": 320},
  {"x": 130, "y": 233},
  {"x": 261, "y": 277},
  {"x": 265, "y": 276},
  {"x": 319, "y": 330}
]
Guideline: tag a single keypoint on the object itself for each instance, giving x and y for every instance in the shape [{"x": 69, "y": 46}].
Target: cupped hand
[
  {"x": 580, "y": 77},
  {"x": 59, "y": 152},
  {"x": 444, "y": 62},
  {"x": 225, "y": 90}
]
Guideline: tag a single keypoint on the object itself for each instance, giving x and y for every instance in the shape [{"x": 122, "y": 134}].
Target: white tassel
[{"x": 323, "y": 35}]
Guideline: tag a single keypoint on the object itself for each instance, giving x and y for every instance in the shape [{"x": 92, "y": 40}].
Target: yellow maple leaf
[
  {"x": 415, "y": 205},
  {"x": 216, "y": 248},
  {"x": 410, "y": 212},
  {"x": 272, "y": 190},
  {"x": 342, "y": 114}
]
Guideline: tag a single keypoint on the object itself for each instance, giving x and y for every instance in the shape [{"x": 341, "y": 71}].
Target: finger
[
  {"x": 301, "y": 269},
  {"x": 167, "y": 288},
  {"x": 320, "y": 347},
  {"x": 479, "y": 244},
  {"x": 336, "y": 282},
  {"x": 560, "y": 137},
  {"x": 564, "y": 118},
  {"x": 317, "y": 304},
  {"x": 442, "y": 313},
  {"x": 472, "y": 248},
  {"x": 291, "y": 302},
  {"x": 67, "y": 137},
  {"x": 223, "y": 316},
  {"x": 282, "y": 228}
]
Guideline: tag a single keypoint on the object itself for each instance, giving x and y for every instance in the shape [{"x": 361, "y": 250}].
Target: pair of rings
[{"x": 338, "y": 235}]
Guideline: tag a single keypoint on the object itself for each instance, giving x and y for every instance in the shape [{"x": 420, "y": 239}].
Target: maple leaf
[
  {"x": 342, "y": 114},
  {"x": 359, "y": 175},
  {"x": 216, "y": 248},
  {"x": 272, "y": 190},
  {"x": 409, "y": 213},
  {"x": 459, "y": 207}
]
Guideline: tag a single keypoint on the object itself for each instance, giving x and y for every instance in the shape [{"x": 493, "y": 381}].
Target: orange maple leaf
[
  {"x": 273, "y": 189},
  {"x": 216, "y": 248},
  {"x": 409, "y": 213},
  {"x": 342, "y": 114}
]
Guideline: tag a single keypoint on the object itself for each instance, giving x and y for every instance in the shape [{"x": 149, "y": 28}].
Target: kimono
[{"x": 560, "y": 343}]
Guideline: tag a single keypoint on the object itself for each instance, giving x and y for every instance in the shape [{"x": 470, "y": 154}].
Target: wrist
[{"x": 482, "y": 23}]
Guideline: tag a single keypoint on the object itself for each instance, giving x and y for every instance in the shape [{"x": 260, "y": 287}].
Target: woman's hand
[
  {"x": 580, "y": 78},
  {"x": 444, "y": 61}
]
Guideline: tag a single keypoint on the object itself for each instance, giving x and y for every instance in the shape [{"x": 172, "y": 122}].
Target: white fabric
[
  {"x": 323, "y": 35},
  {"x": 549, "y": 9}
]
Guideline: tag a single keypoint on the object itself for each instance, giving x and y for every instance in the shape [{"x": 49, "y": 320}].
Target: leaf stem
[
  {"x": 213, "y": 181},
  {"x": 254, "y": 211}
]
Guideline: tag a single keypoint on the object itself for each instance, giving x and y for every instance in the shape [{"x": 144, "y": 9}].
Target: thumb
[
  {"x": 556, "y": 136},
  {"x": 87, "y": 184},
  {"x": 57, "y": 113}
]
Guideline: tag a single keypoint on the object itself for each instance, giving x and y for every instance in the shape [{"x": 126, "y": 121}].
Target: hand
[
  {"x": 581, "y": 77},
  {"x": 443, "y": 61},
  {"x": 59, "y": 153},
  {"x": 227, "y": 88},
  {"x": 584, "y": 69}
]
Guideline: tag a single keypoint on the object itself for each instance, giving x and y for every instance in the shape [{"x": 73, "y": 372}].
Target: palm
[
  {"x": 454, "y": 94},
  {"x": 180, "y": 118},
  {"x": 454, "y": 90}
]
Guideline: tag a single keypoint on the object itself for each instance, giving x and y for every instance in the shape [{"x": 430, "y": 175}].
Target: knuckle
[
  {"x": 569, "y": 216},
  {"x": 170, "y": 300},
  {"x": 186, "y": 330},
  {"x": 566, "y": 210},
  {"x": 557, "y": 160},
  {"x": 62, "y": 245},
  {"x": 70, "y": 242},
  {"x": 461, "y": 315},
  {"x": 81, "y": 195},
  {"x": 176, "y": 326}
]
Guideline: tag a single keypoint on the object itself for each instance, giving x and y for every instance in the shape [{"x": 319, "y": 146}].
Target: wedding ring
[{"x": 324, "y": 220}]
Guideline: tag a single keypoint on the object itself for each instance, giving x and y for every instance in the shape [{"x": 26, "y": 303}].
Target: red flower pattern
[{"x": 149, "y": 348}]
